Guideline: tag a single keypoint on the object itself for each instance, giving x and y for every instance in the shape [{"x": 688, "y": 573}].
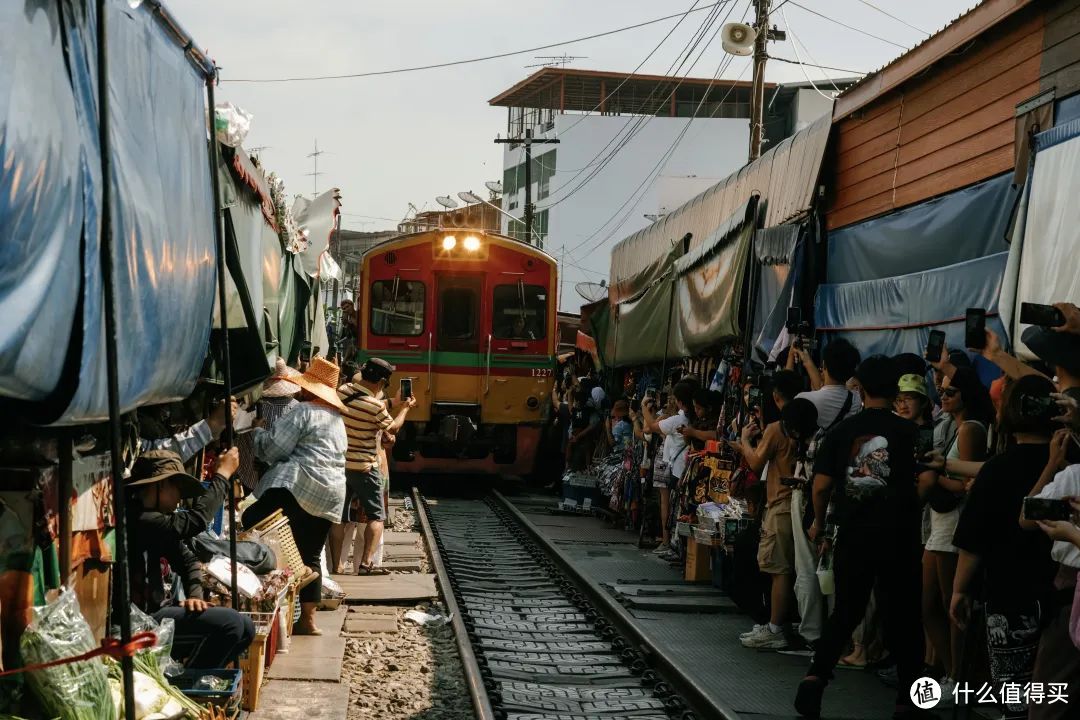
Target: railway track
[{"x": 534, "y": 644}]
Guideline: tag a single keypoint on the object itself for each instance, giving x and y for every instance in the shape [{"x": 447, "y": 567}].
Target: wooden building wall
[
  {"x": 1061, "y": 49},
  {"x": 947, "y": 128}
]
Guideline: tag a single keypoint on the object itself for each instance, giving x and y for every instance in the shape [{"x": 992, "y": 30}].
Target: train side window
[
  {"x": 519, "y": 312},
  {"x": 397, "y": 307}
]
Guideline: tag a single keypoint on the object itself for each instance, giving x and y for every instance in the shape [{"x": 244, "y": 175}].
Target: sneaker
[
  {"x": 808, "y": 698},
  {"x": 766, "y": 639},
  {"x": 889, "y": 677},
  {"x": 753, "y": 631},
  {"x": 661, "y": 549}
]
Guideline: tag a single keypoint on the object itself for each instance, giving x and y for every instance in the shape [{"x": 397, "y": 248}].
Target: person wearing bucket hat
[
  {"x": 306, "y": 479},
  {"x": 158, "y": 483}
]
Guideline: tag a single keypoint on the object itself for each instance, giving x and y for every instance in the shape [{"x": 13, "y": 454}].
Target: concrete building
[{"x": 675, "y": 137}]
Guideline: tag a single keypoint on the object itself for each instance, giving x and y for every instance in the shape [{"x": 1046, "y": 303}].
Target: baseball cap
[
  {"x": 1057, "y": 349},
  {"x": 376, "y": 369},
  {"x": 915, "y": 384}
]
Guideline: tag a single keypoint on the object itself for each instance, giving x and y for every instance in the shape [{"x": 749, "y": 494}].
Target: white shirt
[
  {"x": 829, "y": 400},
  {"x": 674, "y": 448},
  {"x": 1065, "y": 484}
]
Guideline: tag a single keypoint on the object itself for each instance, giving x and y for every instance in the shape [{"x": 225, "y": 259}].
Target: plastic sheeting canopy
[{"x": 163, "y": 250}]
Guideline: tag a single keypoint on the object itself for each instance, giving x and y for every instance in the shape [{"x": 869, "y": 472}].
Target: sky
[{"x": 398, "y": 139}]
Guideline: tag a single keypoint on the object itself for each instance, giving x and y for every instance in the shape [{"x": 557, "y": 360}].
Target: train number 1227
[{"x": 543, "y": 372}]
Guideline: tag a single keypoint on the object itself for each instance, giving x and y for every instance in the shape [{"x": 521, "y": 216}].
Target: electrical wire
[
  {"x": 813, "y": 65},
  {"x": 795, "y": 47},
  {"x": 434, "y": 66},
  {"x": 643, "y": 120},
  {"x": 886, "y": 13},
  {"x": 652, "y": 175},
  {"x": 843, "y": 24}
]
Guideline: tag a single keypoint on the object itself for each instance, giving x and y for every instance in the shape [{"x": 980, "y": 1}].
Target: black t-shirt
[
  {"x": 1017, "y": 563},
  {"x": 871, "y": 459}
]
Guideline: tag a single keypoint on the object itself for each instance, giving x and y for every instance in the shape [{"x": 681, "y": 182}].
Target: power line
[
  {"x": 416, "y": 68},
  {"x": 795, "y": 47},
  {"x": 849, "y": 27},
  {"x": 650, "y": 178},
  {"x": 822, "y": 67},
  {"x": 643, "y": 120},
  {"x": 888, "y": 14}
]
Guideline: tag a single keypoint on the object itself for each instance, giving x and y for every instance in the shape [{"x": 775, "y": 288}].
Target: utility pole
[
  {"x": 315, "y": 156},
  {"x": 528, "y": 143},
  {"x": 757, "y": 97}
]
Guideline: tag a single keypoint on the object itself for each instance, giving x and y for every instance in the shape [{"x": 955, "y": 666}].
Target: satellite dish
[
  {"x": 592, "y": 292},
  {"x": 469, "y": 197},
  {"x": 447, "y": 202},
  {"x": 494, "y": 186},
  {"x": 738, "y": 39}
]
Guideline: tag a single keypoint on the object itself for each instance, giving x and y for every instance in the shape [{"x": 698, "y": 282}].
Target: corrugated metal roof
[{"x": 786, "y": 193}]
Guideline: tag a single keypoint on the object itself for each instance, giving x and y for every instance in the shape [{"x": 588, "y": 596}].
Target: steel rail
[
  {"x": 695, "y": 695},
  {"x": 477, "y": 690}
]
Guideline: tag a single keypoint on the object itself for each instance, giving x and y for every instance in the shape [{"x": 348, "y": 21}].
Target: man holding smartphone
[{"x": 366, "y": 417}]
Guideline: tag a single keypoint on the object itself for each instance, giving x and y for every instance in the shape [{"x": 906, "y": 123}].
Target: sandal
[{"x": 362, "y": 569}]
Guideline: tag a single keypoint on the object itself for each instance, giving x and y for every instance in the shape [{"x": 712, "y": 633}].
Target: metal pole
[
  {"x": 122, "y": 588},
  {"x": 226, "y": 358},
  {"x": 757, "y": 98},
  {"x": 528, "y": 188}
]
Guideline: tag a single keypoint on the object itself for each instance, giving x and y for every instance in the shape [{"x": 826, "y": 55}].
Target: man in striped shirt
[{"x": 366, "y": 419}]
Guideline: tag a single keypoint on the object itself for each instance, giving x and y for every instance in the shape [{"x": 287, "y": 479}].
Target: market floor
[{"x": 755, "y": 684}]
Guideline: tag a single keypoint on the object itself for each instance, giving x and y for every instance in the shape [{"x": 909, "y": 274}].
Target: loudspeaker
[{"x": 738, "y": 39}]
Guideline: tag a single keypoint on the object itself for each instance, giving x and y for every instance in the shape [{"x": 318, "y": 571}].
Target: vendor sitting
[{"x": 157, "y": 530}]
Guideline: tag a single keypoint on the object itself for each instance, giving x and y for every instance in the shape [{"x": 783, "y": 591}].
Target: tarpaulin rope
[{"x": 110, "y": 647}]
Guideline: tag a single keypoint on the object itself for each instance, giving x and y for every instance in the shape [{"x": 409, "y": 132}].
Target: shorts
[
  {"x": 942, "y": 529},
  {"x": 776, "y": 553},
  {"x": 367, "y": 486}
]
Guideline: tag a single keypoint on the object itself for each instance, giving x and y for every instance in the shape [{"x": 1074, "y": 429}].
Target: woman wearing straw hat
[
  {"x": 279, "y": 394},
  {"x": 306, "y": 480}
]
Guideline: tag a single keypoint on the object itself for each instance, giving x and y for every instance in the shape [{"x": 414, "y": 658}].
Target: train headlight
[
  {"x": 449, "y": 242},
  {"x": 472, "y": 243},
  {"x": 533, "y": 402}
]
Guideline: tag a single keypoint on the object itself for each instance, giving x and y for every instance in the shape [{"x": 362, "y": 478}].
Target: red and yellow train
[{"x": 469, "y": 317}]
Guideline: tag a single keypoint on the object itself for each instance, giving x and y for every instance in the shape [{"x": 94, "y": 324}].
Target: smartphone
[
  {"x": 754, "y": 397},
  {"x": 651, "y": 393},
  {"x": 1038, "y": 407},
  {"x": 1041, "y": 315},
  {"x": 935, "y": 345},
  {"x": 406, "y": 388},
  {"x": 975, "y": 328},
  {"x": 1046, "y": 509},
  {"x": 794, "y": 318}
]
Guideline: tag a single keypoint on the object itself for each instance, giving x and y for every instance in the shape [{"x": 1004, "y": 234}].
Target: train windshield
[
  {"x": 397, "y": 307},
  {"x": 519, "y": 311}
]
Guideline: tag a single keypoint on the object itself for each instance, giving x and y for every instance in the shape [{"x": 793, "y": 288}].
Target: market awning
[{"x": 783, "y": 179}]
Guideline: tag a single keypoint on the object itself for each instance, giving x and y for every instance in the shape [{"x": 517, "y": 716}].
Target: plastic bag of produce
[
  {"x": 73, "y": 691},
  {"x": 161, "y": 653},
  {"x": 231, "y": 124}
]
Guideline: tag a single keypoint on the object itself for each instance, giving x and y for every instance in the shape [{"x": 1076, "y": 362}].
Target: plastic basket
[
  {"x": 229, "y": 698},
  {"x": 253, "y": 664}
]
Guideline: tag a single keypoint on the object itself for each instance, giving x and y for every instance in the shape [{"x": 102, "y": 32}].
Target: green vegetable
[{"x": 72, "y": 691}]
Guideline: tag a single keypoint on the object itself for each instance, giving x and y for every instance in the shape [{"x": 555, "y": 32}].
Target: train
[{"x": 468, "y": 316}]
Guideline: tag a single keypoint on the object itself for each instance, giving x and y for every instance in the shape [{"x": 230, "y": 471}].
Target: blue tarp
[
  {"x": 963, "y": 225},
  {"x": 164, "y": 251},
  {"x": 778, "y": 251},
  {"x": 895, "y": 315}
]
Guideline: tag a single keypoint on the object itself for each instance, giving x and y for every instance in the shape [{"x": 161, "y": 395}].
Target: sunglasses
[{"x": 950, "y": 392}]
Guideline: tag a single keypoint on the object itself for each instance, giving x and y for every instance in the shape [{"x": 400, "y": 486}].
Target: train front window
[
  {"x": 457, "y": 315},
  {"x": 397, "y": 307},
  {"x": 519, "y": 312}
]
